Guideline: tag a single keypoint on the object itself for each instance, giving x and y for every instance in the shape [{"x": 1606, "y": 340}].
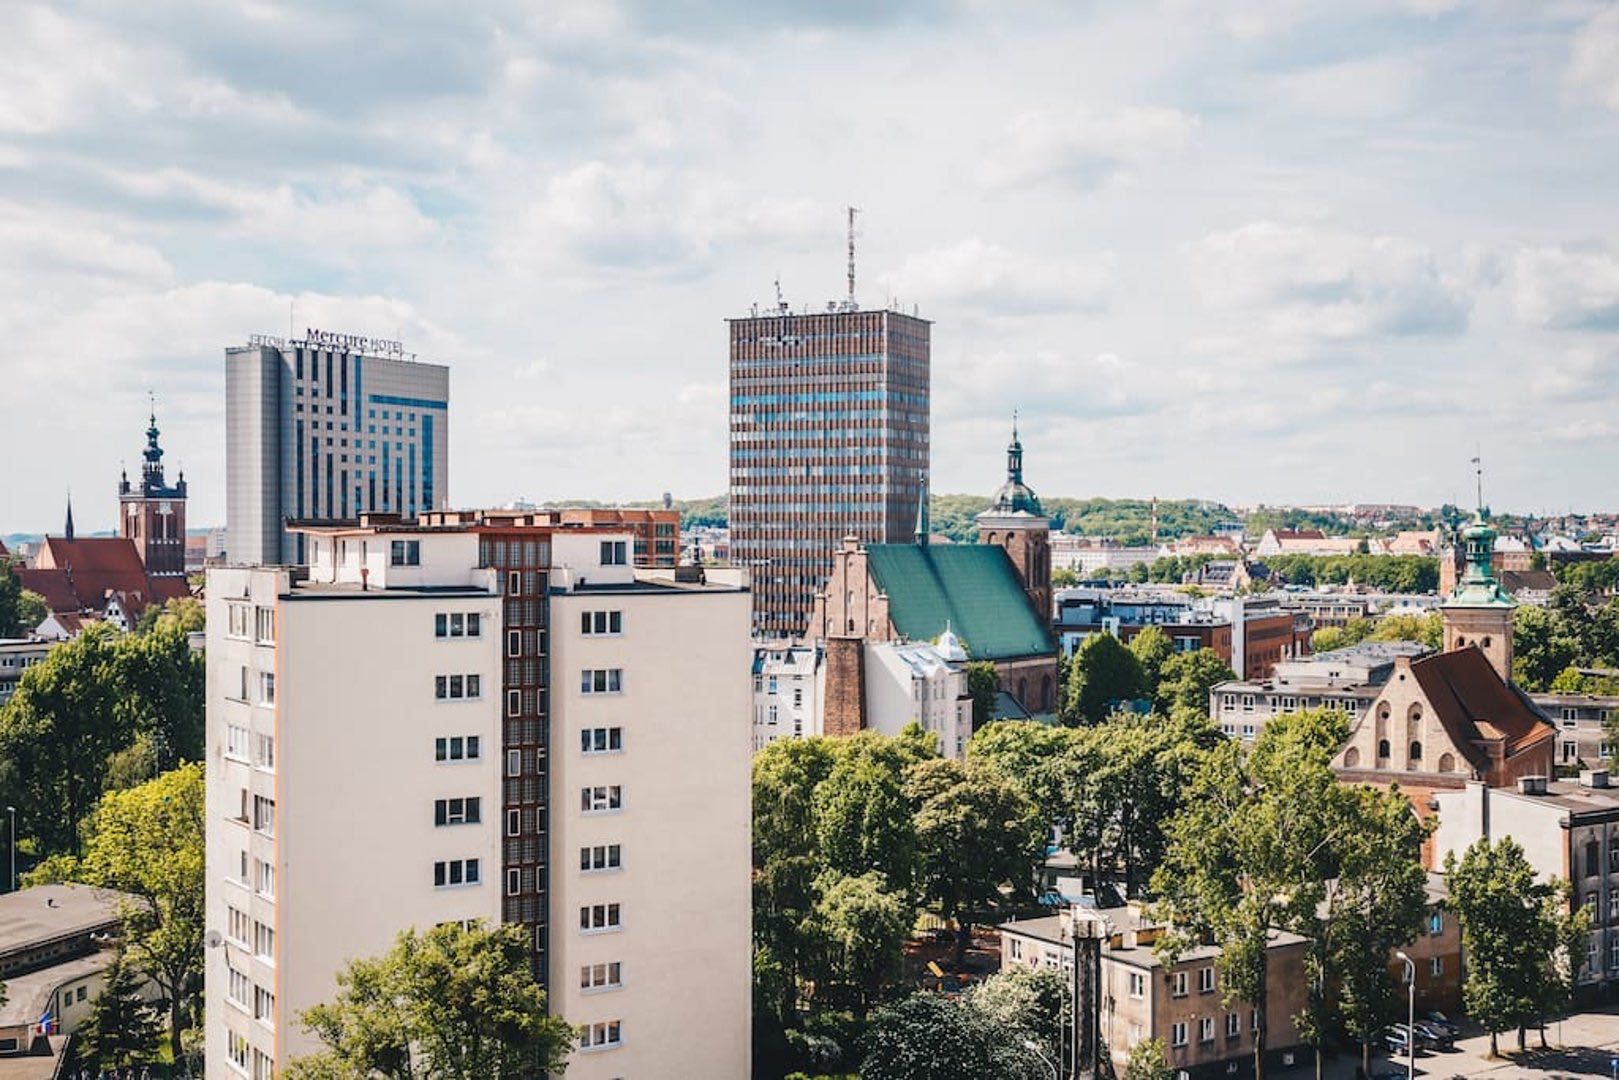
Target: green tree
[
  {"x": 148, "y": 841},
  {"x": 862, "y": 818},
  {"x": 975, "y": 835},
  {"x": 1102, "y": 674},
  {"x": 1502, "y": 910},
  {"x": 451, "y": 1003},
  {"x": 1426, "y": 629},
  {"x": 1151, "y": 648},
  {"x": 185, "y": 612},
  {"x": 931, "y": 1037},
  {"x": 1148, "y": 1062},
  {"x": 20, "y": 609},
  {"x": 860, "y": 926},
  {"x": 1187, "y": 679},
  {"x": 122, "y": 1029},
  {"x": 1251, "y": 849},
  {"x": 1542, "y": 646},
  {"x": 1565, "y": 934},
  {"x": 1028, "y": 755},
  {"x": 982, "y": 685},
  {"x": 1027, "y": 1003}
]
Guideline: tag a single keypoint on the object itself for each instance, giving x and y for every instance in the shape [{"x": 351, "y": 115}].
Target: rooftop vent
[
  {"x": 1594, "y": 778},
  {"x": 1532, "y": 785}
]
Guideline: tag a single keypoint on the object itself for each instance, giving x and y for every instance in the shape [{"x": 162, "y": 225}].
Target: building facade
[
  {"x": 1016, "y": 522},
  {"x": 829, "y": 421},
  {"x": 1348, "y": 679},
  {"x": 325, "y": 429},
  {"x": 153, "y": 514},
  {"x": 1581, "y": 719},
  {"x": 553, "y": 739}
]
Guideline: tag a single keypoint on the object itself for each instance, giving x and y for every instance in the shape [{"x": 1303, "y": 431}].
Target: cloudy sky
[{"x": 1279, "y": 250}]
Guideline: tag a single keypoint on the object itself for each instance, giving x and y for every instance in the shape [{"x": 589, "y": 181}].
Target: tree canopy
[{"x": 1102, "y": 675}]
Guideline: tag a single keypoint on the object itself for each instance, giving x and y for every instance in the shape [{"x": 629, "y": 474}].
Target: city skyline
[{"x": 1305, "y": 253}]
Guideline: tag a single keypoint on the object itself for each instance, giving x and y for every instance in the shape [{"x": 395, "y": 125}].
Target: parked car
[
  {"x": 1397, "y": 1039},
  {"x": 1434, "y": 1036},
  {"x": 1439, "y": 1021}
]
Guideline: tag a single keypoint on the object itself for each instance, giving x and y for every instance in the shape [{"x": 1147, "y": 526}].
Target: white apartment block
[
  {"x": 788, "y": 684},
  {"x": 476, "y": 716}
]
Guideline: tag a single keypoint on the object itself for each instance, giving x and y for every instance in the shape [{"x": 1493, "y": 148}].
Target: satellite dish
[{"x": 212, "y": 939}]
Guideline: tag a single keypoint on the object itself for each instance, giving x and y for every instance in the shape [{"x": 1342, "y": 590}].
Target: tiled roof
[
  {"x": 78, "y": 574},
  {"x": 969, "y": 588},
  {"x": 1472, "y": 702}
]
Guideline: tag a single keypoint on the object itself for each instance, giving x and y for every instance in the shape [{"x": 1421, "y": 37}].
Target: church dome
[{"x": 1014, "y": 496}]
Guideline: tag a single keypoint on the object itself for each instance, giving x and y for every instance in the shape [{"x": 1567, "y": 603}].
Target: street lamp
[
  {"x": 1411, "y": 1013},
  {"x": 1034, "y": 1048},
  {"x": 12, "y": 810}
]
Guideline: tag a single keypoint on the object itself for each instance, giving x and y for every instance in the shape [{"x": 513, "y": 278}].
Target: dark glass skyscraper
[{"x": 829, "y": 438}]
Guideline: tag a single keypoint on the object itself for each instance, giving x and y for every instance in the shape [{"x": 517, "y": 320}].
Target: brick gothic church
[{"x": 153, "y": 514}]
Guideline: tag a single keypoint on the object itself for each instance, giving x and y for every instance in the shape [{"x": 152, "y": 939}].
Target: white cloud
[
  {"x": 1594, "y": 57},
  {"x": 1566, "y": 289},
  {"x": 987, "y": 278},
  {"x": 1046, "y": 383},
  {"x": 1084, "y": 149},
  {"x": 1581, "y": 375}
]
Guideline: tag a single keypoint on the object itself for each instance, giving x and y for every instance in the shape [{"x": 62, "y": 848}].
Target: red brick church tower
[
  {"x": 1016, "y": 523},
  {"x": 152, "y": 514}
]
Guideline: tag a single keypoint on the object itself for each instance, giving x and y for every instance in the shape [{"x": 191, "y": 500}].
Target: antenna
[
  {"x": 852, "y": 212},
  {"x": 1478, "y": 472},
  {"x": 781, "y": 305}
]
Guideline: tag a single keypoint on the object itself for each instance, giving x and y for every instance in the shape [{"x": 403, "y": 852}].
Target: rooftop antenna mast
[
  {"x": 781, "y": 305},
  {"x": 852, "y": 212},
  {"x": 1478, "y": 473}
]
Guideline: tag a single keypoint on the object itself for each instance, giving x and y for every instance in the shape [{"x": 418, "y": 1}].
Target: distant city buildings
[
  {"x": 829, "y": 424},
  {"x": 493, "y": 716},
  {"x": 325, "y": 429}
]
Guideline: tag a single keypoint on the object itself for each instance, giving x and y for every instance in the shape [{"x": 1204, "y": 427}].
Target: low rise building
[
  {"x": 1348, "y": 679},
  {"x": 1087, "y": 555},
  {"x": 1581, "y": 721},
  {"x": 18, "y": 655},
  {"x": 1305, "y": 542},
  {"x": 788, "y": 681}
]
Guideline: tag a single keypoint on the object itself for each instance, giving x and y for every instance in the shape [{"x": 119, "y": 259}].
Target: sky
[{"x": 1280, "y": 251}]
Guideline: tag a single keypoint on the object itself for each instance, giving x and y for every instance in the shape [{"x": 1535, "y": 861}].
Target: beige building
[
  {"x": 481, "y": 716},
  {"x": 1182, "y": 1005}
]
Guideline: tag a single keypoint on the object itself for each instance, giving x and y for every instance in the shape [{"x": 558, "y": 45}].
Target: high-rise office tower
[
  {"x": 482, "y": 716},
  {"x": 153, "y": 514},
  {"x": 325, "y": 429},
  {"x": 829, "y": 438}
]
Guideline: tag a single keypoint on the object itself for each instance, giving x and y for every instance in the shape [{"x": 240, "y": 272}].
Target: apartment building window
[
  {"x": 1205, "y": 1029},
  {"x": 1436, "y": 966},
  {"x": 610, "y": 857},
  {"x": 1613, "y": 907},
  {"x": 263, "y": 941},
  {"x": 601, "y": 740},
  {"x": 614, "y": 553},
  {"x": 457, "y": 748},
  {"x": 240, "y": 989},
  {"x": 264, "y": 625},
  {"x": 264, "y": 815},
  {"x": 465, "y": 811},
  {"x": 266, "y": 688},
  {"x": 264, "y": 751},
  {"x": 1233, "y": 1025},
  {"x": 1205, "y": 980},
  {"x": 1177, "y": 982},
  {"x": 1613, "y": 952},
  {"x": 457, "y": 687},
  {"x": 601, "y": 1036},
  {"x": 1177, "y": 1033},
  {"x": 1436, "y": 923},
  {"x": 514, "y": 583},
  {"x": 236, "y": 1047},
  {"x": 596, "y": 918},
  {"x": 263, "y": 1066},
  {"x": 514, "y": 881},
  {"x": 455, "y": 624},
  {"x": 601, "y": 680},
  {"x": 608, "y": 976},
  {"x": 237, "y": 926},
  {"x": 236, "y": 742},
  {"x": 514, "y": 643},
  {"x": 1138, "y": 984},
  {"x": 514, "y": 763},
  {"x": 266, "y": 879},
  {"x": 601, "y": 623},
  {"x": 241, "y": 683},
  {"x": 514, "y": 703},
  {"x": 452, "y": 872},
  {"x": 600, "y": 799},
  {"x": 263, "y": 1005},
  {"x": 405, "y": 553},
  {"x": 237, "y": 616}
]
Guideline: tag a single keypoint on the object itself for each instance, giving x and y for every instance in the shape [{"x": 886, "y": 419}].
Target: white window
[
  {"x": 237, "y": 621},
  {"x": 240, "y": 989},
  {"x": 514, "y": 822},
  {"x": 266, "y": 688},
  {"x": 1205, "y": 980},
  {"x": 464, "y": 811},
  {"x": 601, "y": 1036},
  {"x": 601, "y": 680},
  {"x": 263, "y": 1005},
  {"x": 601, "y": 976},
  {"x": 236, "y": 742},
  {"x": 514, "y": 702},
  {"x": 601, "y": 740},
  {"x": 514, "y": 643},
  {"x": 1177, "y": 1033},
  {"x": 1205, "y": 1029},
  {"x": 1017, "y": 949},
  {"x": 1178, "y": 984},
  {"x": 454, "y": 872},
  {"x": 456, "y": 624},
  {"x": 598, "y": 623},
  {"x": 457, "y": 748},
  {"x": 1436, "y": 966},
  {"x": 236, "y": 1047},
  {"x": 514, "y": 881},
  {"x": 263, "y": 1066},
  {"x": 614, "y": 553},
  {"x": 264, "y": 751},
  {"x": 601, "y": 798},
  {"x": 599, "y": 917},
  {"x": 457, "y": 687},
  {"x": 264, "y": 625},
  {"x": 238, "y": 927},
  {"x": 1138, "y": 984},
  {"x": 1233, "y": 1025},
  {"x": 405, "y": 553},
  {"x": 514, "y": 763},
  {"x": 610, "y": 857},
  {"x": 241, "y": 685},
  {"x": 266, "y": 879},
  {"x": 264, "y": 815},
  {"x": 514, "y": 582},
  {"x": 263, "y": 941}
]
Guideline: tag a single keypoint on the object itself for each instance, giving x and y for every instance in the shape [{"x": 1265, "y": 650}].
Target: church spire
[
  {"x": 67, "y": 528},
  {"x": 152, "y": 467},
  {"x": 923, "y": 528},
  {"x": 1014, "y": 455}
]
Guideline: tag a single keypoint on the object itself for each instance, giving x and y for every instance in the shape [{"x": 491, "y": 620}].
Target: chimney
[{"x": 1532, "y": 785}]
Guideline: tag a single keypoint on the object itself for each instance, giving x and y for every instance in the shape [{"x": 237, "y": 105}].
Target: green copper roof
[
  {"x": 971, "y": 588},
  {"x": 1478, "y": 586}
]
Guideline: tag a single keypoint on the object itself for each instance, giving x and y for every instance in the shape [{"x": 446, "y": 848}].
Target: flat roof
[
  {"x": 28, "y": 996},
  {"x": 1049, "y": 930},
  {"x": 44, "y": 913}
]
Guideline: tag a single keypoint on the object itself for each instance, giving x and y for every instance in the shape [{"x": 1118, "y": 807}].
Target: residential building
[
  {"x": 153, "y": 513},
  {"x": 18, "y": 655},
  {"x": 1569, "y": 829},
  {"x": 1230, "y": 575},
  {"x": 1436, "y": 954},
  {"x": 56, "y": 943},
  {"x": 511, "y": 723},
  {"x": 1224, "y": 546},
  {"x": 1328, "y": 609},
  {"x": 1250, "y": 634},
  {"x": 1581, "y": 719},
  {"x": 1416, "y": 542},
  {"x": 1305, "y": 542},
  {"x": 788, "y": 682},
  {"x": 656, "y": 532},
  {"x": 326, "y": 428},
  {"x": 1087, "y": 555},
  {"x": 1182, "y": 1004},
  {"x": 829, "y": 419},
  {"x": 1348, "y": 679}
]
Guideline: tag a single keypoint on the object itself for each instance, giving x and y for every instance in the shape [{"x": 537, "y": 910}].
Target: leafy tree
[
  {"x": 982, "y": 685},
  {"x": 1027, "y": 754},
  {"x": 931, "y": 1037},
  {"x": 450, "y": 1003},
  {"x": 185, "y": 612},
  {"x": 975, "y": 834},
  {"x": 1027, "y": 1003},
  {"x": 122, "y": 1029},
  {"x": 860, "y": 925},
  {"x": 18, "y": 606},
  {"x": 1502, "y": 910},
  {"x": 1250, "y": 850},
  {"x": 862, "y": 819},
  {"x": 1329, "y": 638},
  {"x": 1565, "y": 934},
  {"x": 1151, "y": 648},
  {"x": 1064, "y": 576},
  {"x": 148, "y": 841},
  {"x": 1187, "y": 678},
  {"x": 1426, "y": 629},
  {"x": 1542, "y": 646},
  {"x": 1148, "y": 1061},
  {"x": 1102, "y": 674}
]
